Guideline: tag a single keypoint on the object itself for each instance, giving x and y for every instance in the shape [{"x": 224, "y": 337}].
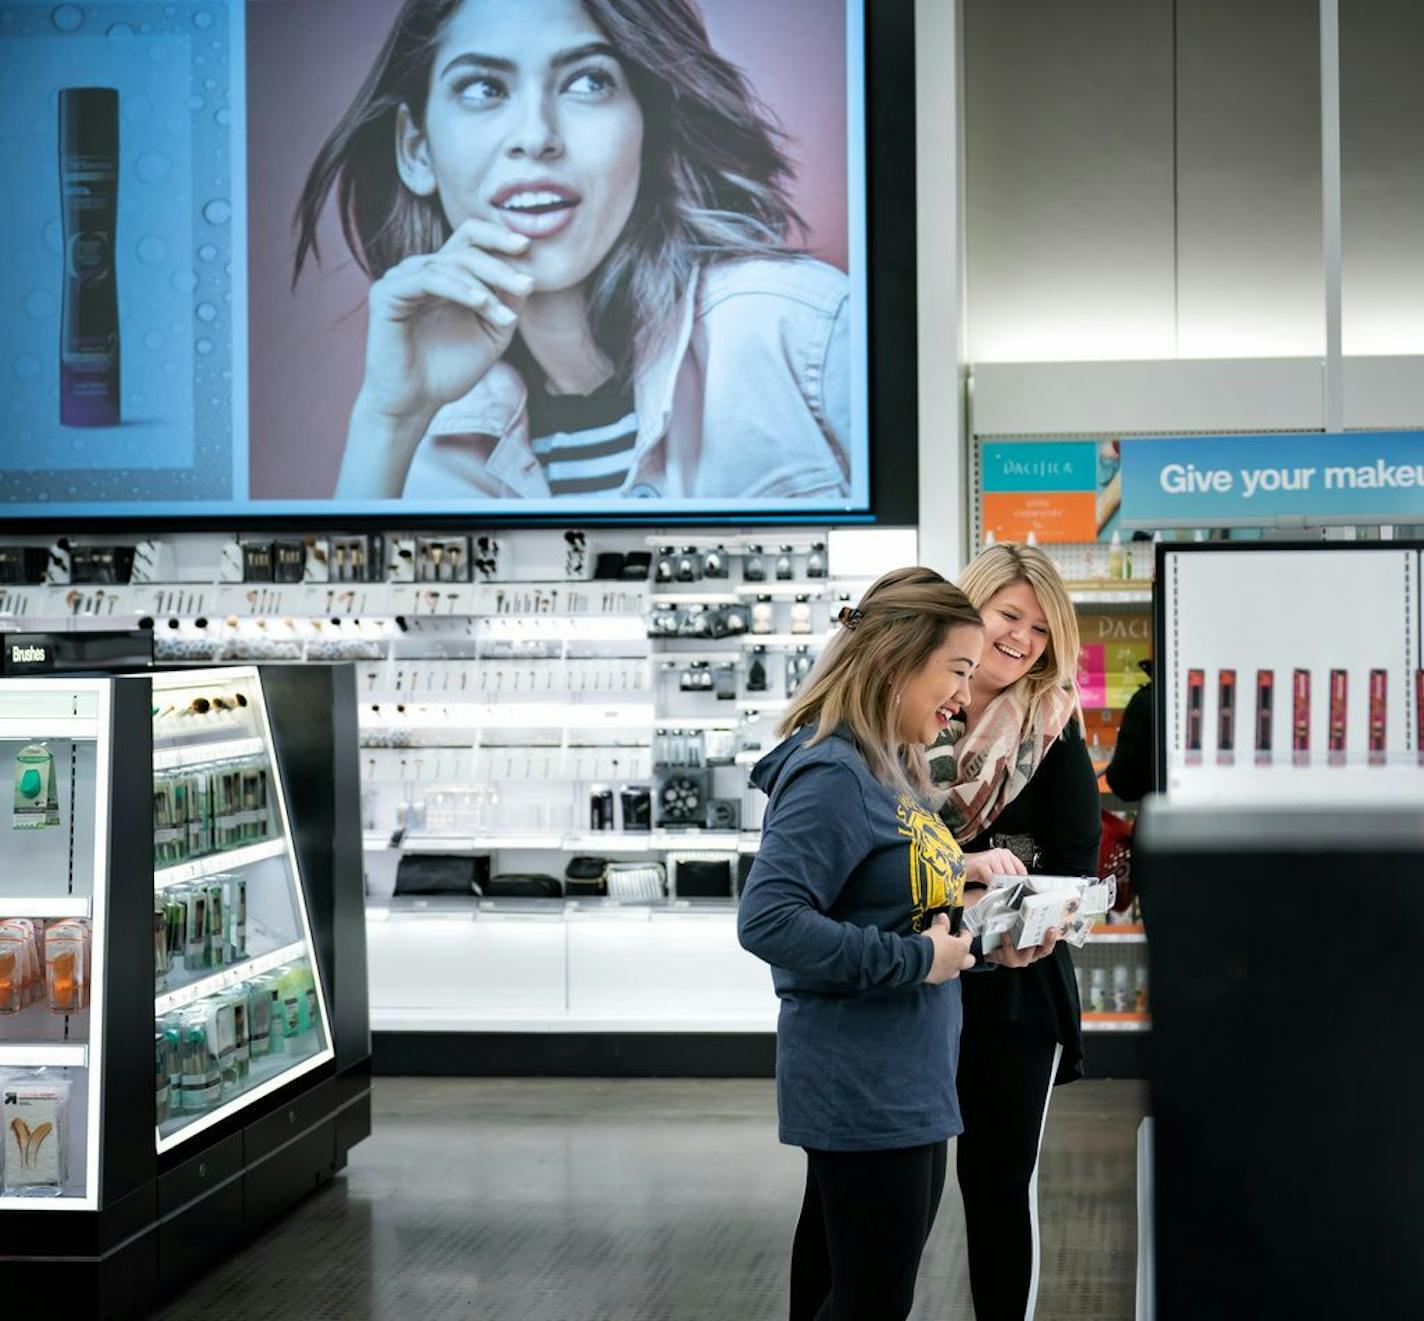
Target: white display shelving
[{"x": 61, "y": 871}]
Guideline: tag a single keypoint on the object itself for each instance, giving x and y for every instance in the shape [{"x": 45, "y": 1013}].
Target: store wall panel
[
  {"x": 1034, "y": 398},
  {"x": 1382, "y": 177},
  {"x": 1068, "y": 187},
  {"x": 1250, "y": 267}
]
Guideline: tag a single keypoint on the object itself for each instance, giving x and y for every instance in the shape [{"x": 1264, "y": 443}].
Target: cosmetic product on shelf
[
  {"x": 161, "y": 1087},
  {"x": 754, "y": 566},
  {"x": 756, "y": 671},
  {"x": 816, "y": 564},
  {"x": 36, "y": 800},
  {"x": 1379, "y": 726},
  {"x": 1265, "y": 688},
  {"x": 801, "y": 615},
  {"x": 714, "y": 563},
  {"x": 1339, "y": 700},
  {"x": 762, "y": 615},
  {"x": 67, "y": 962},
  {"x": 1196, "y": 701},
  {"x": 34, "y": 1110},
  {"x": 1225, "y": 717},
  {"x": 637, "y": 805},
  {"x": 21, "y": 966},
  {"x": 784, "y": 569},
  {"x": 1098, "y": 991},
  {"x": 1121, "y": 990},
  {"x": 1300, "y": 717}
]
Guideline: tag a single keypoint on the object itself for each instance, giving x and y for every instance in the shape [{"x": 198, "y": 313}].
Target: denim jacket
[{"x": 748, "y": 396}]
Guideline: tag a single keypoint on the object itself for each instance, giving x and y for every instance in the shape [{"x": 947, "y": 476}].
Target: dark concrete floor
[{"x": 646, "y": 1200}]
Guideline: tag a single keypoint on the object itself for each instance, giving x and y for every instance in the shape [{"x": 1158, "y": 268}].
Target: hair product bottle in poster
[
  {"x": 89, "y": 192},
  {"x": 1379, "y": 730},
  {"x": 1225, "y": 717},
  {"x": 1339, "y": 697},
  {"x": 1265, "y": 690},
  {"x": 1196, "y": 700},
  {"x": 1300, "y": 718}
]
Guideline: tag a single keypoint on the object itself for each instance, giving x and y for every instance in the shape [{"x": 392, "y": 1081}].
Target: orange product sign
[{"x": 1049, "y": 515}]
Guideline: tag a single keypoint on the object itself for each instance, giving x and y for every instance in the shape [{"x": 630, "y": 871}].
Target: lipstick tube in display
[
  {"x": 1265, "y": 691},
  {"x": 1196, "y": 701},
  {"x": 1300, "y": 718},
  {"x": 1225, "y": 717},
  {"x": 1378, "y": 726},
  {"x": 1339, "y": 695}
]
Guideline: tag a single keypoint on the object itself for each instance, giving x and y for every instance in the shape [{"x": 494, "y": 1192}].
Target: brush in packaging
[
  {"x": 1265, "y": 690},
  {"x": 162, "y": 1090},
  {"x": 1339, "y": 698},
  {"x": 36, "y": 789},
  {"x": 259, "y": 1019},
  {"x": 202, "y": 1076},
  {"x": 1379, "y": 727},
  {"x": 1196, "y": 702},
  {"x": 1225, "y": 717},
  {"x": 1300, "y": 718}
]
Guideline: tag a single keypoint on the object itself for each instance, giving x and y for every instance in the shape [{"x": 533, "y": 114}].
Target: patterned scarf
[{"x": 987, "y": 769}]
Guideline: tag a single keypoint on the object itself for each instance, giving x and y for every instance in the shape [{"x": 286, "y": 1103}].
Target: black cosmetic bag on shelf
[
  {"x": 703, "y": 878},
  {"x": 442, "y": 873},
  {"x": 586, "y": 875},
  {"x": 523, "y": 885}
]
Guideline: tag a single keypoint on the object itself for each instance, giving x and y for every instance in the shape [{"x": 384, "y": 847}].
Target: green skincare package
[{"x": 36, "y": 790}]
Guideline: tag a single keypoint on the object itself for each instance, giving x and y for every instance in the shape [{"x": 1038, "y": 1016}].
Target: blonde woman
[
  {"x": 1021, "y": 791},
  {"x": 854, "y": 901}
]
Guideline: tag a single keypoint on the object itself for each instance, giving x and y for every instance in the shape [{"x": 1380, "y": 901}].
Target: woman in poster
[{"x": 577, "y": 220}]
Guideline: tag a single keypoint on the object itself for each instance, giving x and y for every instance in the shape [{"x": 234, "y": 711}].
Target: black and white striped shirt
[{"x": 584, "y": 442}]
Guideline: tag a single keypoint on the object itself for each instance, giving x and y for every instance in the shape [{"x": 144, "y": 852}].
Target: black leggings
[
  {"x": 863, "y": 1226},
  {"x": 1004, "y": 1079}
]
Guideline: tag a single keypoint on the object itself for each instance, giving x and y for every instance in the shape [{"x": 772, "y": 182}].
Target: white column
[{"x": 939, "y": 240}]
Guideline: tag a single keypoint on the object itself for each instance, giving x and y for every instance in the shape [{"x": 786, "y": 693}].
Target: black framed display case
[{"x": 195, "y": 1052}]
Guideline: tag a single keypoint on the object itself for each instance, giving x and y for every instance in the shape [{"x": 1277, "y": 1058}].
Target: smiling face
[
  {"x": 1016, "y": 635},
  {"x": 939, "y": 689},
  {"x": 530, "y": 123}
]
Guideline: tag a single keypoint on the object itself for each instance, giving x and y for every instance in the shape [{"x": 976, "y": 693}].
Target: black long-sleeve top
[{"x": 1061, "y": 810}]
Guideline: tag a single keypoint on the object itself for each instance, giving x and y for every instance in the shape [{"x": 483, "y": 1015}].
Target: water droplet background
[{"x": 172, "y": 65}]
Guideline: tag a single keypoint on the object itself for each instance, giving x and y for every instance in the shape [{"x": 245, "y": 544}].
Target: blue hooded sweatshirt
[{"x": 847, "y": 874}]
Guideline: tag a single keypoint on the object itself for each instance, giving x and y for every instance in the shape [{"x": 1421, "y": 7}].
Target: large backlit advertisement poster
[{"x": 433, "y": 258}]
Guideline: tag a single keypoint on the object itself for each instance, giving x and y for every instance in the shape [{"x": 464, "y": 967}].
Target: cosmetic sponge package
[
  {"x": 34, "y": 1110},
  {"x": 67, "y": 961},
  {"x": 21, "y": 968},
  {"x": 36, "y": 790}
]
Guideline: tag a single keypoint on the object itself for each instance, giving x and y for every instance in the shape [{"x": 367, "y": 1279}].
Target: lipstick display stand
[{"x": 1290, "y": 673}]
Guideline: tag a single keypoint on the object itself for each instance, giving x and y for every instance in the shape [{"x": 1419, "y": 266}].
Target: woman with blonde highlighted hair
[
  {"x": 1021, "y": 792},
  {"x": 854, "y": 900}
]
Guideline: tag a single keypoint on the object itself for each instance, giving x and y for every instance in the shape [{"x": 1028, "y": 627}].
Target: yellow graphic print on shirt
[{"x": 936, "y": 863}]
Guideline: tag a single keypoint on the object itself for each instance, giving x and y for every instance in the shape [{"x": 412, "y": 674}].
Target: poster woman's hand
[{"x": 437, "y": 323}]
